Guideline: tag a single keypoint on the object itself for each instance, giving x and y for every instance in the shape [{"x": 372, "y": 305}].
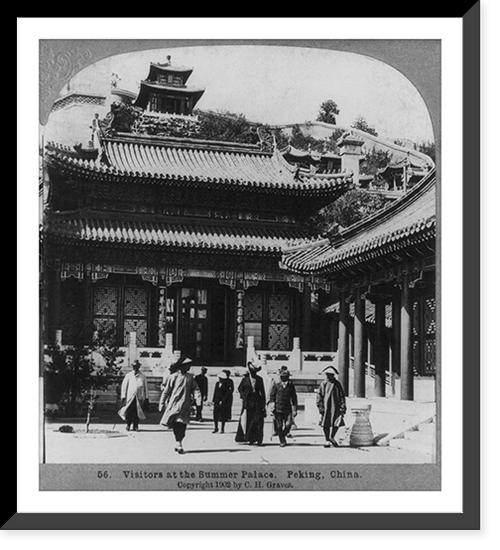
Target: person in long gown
[
  {"x": 331, "y": 404},
  {"x": 176, "y": 399},
  {"x": 253, "y": 397},
  {"x": 222, "y": 400}
]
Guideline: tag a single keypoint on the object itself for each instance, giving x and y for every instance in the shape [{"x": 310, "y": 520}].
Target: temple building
[
  {"x": 165, "y": 90},
  {"x": 158, "y": 235},
  {"x": 384, "y": 265}
]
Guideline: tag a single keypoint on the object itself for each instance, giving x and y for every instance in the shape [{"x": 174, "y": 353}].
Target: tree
[
  {"x": 74, "y": 374},
  {"x": 428, "y": 148},
  {"x": 350, "y": 208},
  {"x": 328, "y": 111},
  {"x": 226, "y": 126},
  {"x": 375, "y": 160},
  {"x": 361, "y": 124}
]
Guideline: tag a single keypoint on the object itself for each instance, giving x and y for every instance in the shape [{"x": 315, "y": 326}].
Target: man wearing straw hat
[
  {"x": 331, "y": 404},
  {"x": 283, "y": 405}
]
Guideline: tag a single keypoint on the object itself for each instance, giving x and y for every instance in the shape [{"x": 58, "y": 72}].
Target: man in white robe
[{"x": 135, "y": 397}]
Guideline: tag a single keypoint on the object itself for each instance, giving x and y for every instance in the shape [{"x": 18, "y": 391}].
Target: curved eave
[
  {"x": 166, "y": 236},
  {"x": 325, "y": 263},
  {"x": 147, "y": 87},
  {"x": 409, "y": 222},
  {"x": 156, "y": 68},
  {"x": 216, "y": 174}
]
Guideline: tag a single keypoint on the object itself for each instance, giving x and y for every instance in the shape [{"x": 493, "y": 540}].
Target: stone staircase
[{"x": 420, "y": 438}]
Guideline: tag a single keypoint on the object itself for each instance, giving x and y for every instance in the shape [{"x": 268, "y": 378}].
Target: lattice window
[
  {"x": 105, "y": 326},
  {"x": 279, "y": 337},
  {"x": 106, "y": 301},
  {"x": 139, "y": 326},
  {"x": 430, "y": 316},
  {"x": 430, "y": 356},
  {"x": 253, "y": 306},
  {"x": 279, "y": 308},
  {"x": 123, "y": 309},
  {"x": 136, "y": 302}
]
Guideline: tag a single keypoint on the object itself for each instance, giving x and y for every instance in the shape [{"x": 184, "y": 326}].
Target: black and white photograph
[
  {"x": 239, "y": 266},
  {"x": 248, "y": 293}
]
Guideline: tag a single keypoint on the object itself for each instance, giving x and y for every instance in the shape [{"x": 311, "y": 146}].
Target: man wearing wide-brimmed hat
[
  {"x": 175, "y": 400},
  {"x": 283, "y": 405},
  {"x": 134, "y": 394},
  {"x": 331, "y": 403}
]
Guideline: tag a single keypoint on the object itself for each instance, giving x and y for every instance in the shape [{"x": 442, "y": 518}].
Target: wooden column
[
  {"x": 359, "y": 346},
  {"x": 396, "y": 330},
  {"x": 306, "y": 318},
  {"x": 379, "y": 349},
  {"x": 343, "y": 346},
  {"x": 87, "y": 331},
  {"x": 406, "y": 342}
]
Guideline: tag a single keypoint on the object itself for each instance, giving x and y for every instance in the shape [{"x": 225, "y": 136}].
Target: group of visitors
[{"x": 182, "y": 391}]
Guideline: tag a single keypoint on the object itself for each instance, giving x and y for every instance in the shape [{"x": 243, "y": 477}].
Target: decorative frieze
[{"x": 167, "y": 276}]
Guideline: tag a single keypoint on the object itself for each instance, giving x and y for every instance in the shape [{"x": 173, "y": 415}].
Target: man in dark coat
[
  {"x": 222, "y": 400},
  {"x": 231, "y": 389},
  {"x": 202, "y": 382},
  {"x": 283, "y": 405},
  {"x": 253, "y": 398},
  {"x": 331, "y": 404}
]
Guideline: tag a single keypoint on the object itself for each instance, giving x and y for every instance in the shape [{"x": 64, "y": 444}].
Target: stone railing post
[
  {"x": 250, "y": 349},
  {"x": 58, "y": 338},
  {"x": 169, "y": 343},
  {"x": 296, "y": 356},
  {"x": 132, "y": 348}
]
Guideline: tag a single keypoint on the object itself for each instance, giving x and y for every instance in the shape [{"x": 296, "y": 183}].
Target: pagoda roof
[
  {"x": 146, "y": 87},
  {"x": 198, "y": 163},
  {"x": 172, "y": 88},
  {"x": 87, "y": 227},
  {"x": 405, "y": 222},
  {"x": 166, "y": 68}
]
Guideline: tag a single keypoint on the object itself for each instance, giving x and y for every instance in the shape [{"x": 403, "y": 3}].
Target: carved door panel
[
  {"x": 279, "y": 322},
  {"x": 193, "y": 339},
  {"x": 267, "y": 319},
  {"x": 105, "y": 309},
  {"x": 121, "y": 309},
  {"x": 135, "y": 314}
]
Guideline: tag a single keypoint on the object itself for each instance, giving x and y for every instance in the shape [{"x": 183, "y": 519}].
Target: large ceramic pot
[{"x": 361, "y": 431}]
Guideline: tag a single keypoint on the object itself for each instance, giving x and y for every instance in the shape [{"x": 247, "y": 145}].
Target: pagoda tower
[{"x": 165, "y": 90}]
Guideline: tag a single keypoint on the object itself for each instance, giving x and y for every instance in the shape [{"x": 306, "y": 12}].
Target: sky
[{"x": 282, "y": 85}]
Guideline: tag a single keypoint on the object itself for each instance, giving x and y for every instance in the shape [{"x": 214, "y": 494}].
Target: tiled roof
[
  {"x": 169, "y": 235},
  {"x": 198, "y": 163},
  {"x": 171, "y": 88},
  {"x": 405, "y": 222}
]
